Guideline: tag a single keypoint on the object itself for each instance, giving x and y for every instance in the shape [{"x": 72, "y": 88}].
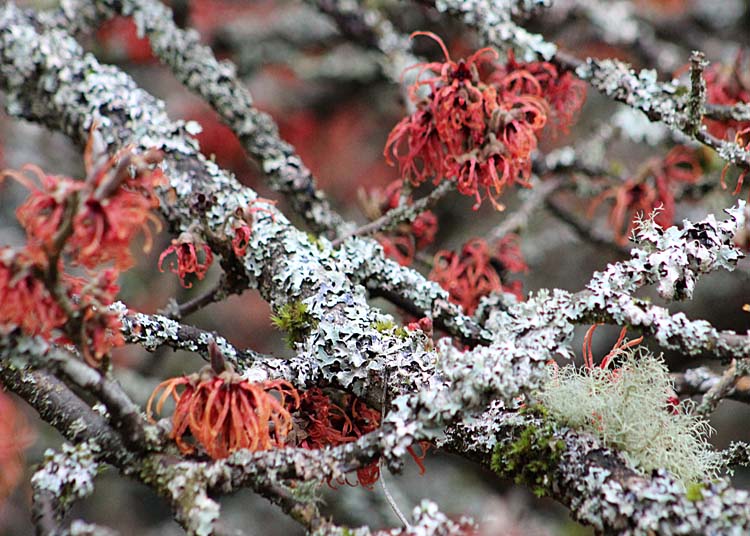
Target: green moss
[
  {"x": 314, "y": 239},
  {"x": 294, "y": 319},
  {"x": 389, "y": 326},
  {"x": 694, "y": 492},
  {"x": 531, "y": 458}
]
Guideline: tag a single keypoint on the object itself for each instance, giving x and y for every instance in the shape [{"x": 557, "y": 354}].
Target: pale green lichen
[{"x": 627, "y": 409}]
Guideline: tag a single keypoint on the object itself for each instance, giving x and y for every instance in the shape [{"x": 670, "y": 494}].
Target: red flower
[
  {"x": 480, "y": 131},
  {"x": 118, "y": 205},
  {"x": 225, "y": 413},
  {"x": 332, "y": 424},
  {"x": 186, "y": 247},
  {"x": 652, "y": 188},
  {"x": 110, "y": 207},
  {"x": 241, "y": 240},
  {"x": 42, "y": 213},
  {"x": 476, "y": 272},
  {"x": 564, "y": 93},
  {"x": 619, "y": 347},
  {"x": 99, "y": 328},
  {"x": 25, "y": 300},
  {"x": 244, "y": 231}
]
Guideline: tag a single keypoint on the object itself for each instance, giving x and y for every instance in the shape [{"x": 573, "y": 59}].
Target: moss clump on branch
[
  {"x": 294, "y": 319},
  {"x": 389, "y": 326},
  {"x": 531, "y": 457},
  {"x": 628, "y": 408}
]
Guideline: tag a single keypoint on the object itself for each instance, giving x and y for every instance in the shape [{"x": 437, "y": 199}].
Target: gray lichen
[{"x": 69, "y": 474}]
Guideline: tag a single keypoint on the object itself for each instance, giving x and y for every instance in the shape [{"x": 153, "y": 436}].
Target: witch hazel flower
[
  {"x": 87, "y": 223},
  {"x": 650, "y": 191},
  {"x": 244, "y": 230},
  {"x": 26, "y": 301},
  {"x": 193, "y": 256},
  {"x": 324, "y": 422},
  {"x": 563, "y": 92},
  {"x": 99, "y": 329},
  {"x": 479, "y": 123},
  {"x": 42, "y": 214},
  {"x": 477, "y": 271},
  {"x": 120, "y": 203},
  {"x": 223, "y": 412}
]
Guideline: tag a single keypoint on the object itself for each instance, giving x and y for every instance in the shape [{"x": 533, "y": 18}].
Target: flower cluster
[
  {"x": 652, "y": 188},
  {"x": 727, "y": 85},
  {"x": 479, "y": 130},
  {"x": 403, "y": 242},
  {"x": 85, "y": 223},
  {"x": 224, "y": 412},
  {"x": 15, "y": 436},
  {"x": 326, "y": 423},
  {"x": 477, "y": 271}
]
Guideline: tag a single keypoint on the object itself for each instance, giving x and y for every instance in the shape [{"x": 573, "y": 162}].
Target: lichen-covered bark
[{"x": 434, "y": 392}]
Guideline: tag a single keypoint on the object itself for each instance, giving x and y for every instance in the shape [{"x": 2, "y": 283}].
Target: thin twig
[
  {"x": 721, "y": 389},
  {"x": 587, "y": 232},
  {"x": 401, "y": 214},
  {"x": 697, "y": 92},
  {"x": 388, "y": 497},
  {"x": 214, "y": 294}
]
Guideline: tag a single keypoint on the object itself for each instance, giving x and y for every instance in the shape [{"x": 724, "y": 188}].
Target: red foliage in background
[{"x": 403, "y": 242}]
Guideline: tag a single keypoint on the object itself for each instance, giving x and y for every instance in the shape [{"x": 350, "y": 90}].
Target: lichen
[
  {"x": 694, "y": 491},
  {"x": 627, "y": 409},
  {"x": 389, "y": 326},
  {"x": 69, "y": 474}
]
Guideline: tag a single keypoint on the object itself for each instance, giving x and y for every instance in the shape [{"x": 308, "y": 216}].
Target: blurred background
[{"x": 335, "y": 105}]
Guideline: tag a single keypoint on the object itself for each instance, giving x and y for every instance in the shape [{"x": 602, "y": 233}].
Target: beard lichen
[{"x": 629, "y": 409}]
